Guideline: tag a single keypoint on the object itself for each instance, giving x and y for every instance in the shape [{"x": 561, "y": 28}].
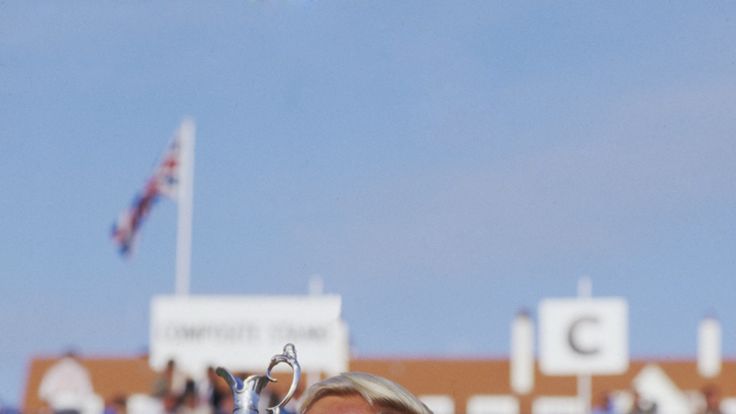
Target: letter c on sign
[{"x": 572, "y": 336}]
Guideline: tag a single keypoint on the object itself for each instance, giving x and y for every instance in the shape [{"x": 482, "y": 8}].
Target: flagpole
[{"x": 184, "y": 207}]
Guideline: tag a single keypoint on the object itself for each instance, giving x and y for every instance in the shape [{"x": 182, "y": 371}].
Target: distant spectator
[
  {"x": 191, "y": 403},
  {"x": 211, "y": 392},
  {"x": 169, "y": 381},
  {"x": 170, "y": 403},
  {"x": 604, "y": 405},
  {"x": 116, "y": 405},
  {"x": 226, "y": 405},
  {"x": 642, "y": 406},
  {"x": 66, "y": 386},
  {"x": 712, "y": 398}
]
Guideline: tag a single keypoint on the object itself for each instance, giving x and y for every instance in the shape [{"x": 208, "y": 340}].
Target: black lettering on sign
[
  {"x": 572, "y": 336},
  {"x": 224, "y": 332},
  {"x": 297, "y": 333}
]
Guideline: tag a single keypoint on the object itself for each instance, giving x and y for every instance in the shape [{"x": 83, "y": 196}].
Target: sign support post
[{"x": 585, "y": 381}]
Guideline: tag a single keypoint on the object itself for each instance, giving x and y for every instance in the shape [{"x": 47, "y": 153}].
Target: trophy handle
[{"x": 287, "y": 357}]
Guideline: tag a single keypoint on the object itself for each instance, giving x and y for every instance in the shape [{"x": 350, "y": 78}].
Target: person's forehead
[
  {"x": 341, "y": 404},
  {"x": 347, "y": 404}
]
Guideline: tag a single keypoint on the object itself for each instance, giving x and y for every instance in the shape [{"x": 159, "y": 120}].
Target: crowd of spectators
[
  {"x": 179, "y": 394},
  {"x": 709, "y": 403},
  {"x": 66, "y": 388}
]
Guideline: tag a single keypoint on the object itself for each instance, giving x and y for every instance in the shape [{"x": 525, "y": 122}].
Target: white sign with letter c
[{"x": 583, "y": 336}]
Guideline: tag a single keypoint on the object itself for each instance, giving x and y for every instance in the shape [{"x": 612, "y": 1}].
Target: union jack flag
[{"x": 163, "y": 183}]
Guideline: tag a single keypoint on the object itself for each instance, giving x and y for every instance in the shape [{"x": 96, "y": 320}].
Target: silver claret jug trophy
[{"x": 246, "y": 393}]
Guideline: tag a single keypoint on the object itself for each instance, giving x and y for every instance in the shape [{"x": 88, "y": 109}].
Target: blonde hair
[{"x": 378, "y": 392}]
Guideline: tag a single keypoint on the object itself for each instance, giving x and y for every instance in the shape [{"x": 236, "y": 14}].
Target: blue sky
[{"x": 440, "y": 164}]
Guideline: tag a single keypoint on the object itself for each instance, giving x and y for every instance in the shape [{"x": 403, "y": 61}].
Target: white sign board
[
  {"x": 583, "y": 336},
  {"x": 242, "y": 333}
]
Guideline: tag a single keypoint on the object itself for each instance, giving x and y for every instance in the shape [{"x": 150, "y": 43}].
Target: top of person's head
[{"x": 378, "y": 392}]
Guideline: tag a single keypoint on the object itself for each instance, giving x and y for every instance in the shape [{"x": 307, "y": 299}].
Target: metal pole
[
  {"x": 585, "y": 381},
  {"x": 184, "y": 207}
]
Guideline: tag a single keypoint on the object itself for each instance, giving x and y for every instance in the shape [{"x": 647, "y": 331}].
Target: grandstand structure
[
  {"x": 471, "y": 386},
  {"x": 231, "y": 330}
]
